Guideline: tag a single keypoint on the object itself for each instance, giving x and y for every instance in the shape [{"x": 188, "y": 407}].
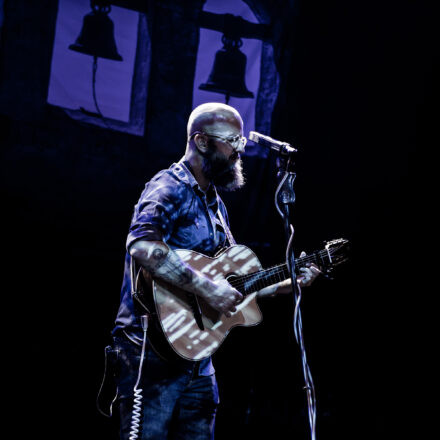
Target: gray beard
[{"x": 223, "y": 173}]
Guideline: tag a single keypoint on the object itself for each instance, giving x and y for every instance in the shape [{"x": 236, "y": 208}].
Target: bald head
[
  {"x": 213, "y": 117},
  {"x": 214, "y": 145}
]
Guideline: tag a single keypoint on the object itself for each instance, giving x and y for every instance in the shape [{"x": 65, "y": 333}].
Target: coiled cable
[{"x": 137, "y": 402}]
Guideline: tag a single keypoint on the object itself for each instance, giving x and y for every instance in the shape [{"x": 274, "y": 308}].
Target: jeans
[{"x": 177, "y": 403}]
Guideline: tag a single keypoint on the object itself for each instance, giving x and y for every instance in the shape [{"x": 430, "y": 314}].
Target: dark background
[{"x": 357, "y": 99}]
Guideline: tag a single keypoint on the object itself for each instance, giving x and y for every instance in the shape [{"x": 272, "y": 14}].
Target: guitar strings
[
  {"x": 240, "y": 282},
  {"x": 258, "y": 276},
  {"x": 281, "y": 267}
]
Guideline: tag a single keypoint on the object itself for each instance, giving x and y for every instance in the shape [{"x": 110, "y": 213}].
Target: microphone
[{"x": 283, "y": 148}]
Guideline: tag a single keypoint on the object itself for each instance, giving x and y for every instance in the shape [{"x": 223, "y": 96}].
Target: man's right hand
[{"x": 223, "y": 297}]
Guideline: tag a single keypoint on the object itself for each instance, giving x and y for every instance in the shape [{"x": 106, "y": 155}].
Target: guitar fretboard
[{"x": 247, "y": 284}]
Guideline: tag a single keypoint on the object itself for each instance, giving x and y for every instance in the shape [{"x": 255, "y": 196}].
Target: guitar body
[
  {"x": 183, "y": 325},
  {"x": 192, "y": 328}
]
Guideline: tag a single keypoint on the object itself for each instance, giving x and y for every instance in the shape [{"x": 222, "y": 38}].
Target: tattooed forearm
[
  {"x": 186, "y": 277},
  {"x": 158, "y": 259},
  {"x": 164, "y": 263}
]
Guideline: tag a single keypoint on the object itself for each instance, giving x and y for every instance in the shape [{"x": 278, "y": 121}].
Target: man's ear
[{"x": 201, "y": 143}]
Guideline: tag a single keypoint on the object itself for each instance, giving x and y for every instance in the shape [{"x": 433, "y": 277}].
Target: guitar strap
[
  {"x": 133, "y": 282},
  {"x": 132, "y": 275},
  {"x": 228, "y": 233},
  {"x": 229, "y": 236}
]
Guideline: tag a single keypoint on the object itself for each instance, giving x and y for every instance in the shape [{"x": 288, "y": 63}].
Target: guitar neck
[{"x": 247, "y": 284}]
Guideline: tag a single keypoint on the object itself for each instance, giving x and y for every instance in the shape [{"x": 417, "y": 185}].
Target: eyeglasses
[{"x": 236, "y": 142}]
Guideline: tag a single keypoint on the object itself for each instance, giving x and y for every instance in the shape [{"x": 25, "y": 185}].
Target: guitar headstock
[{"x": 336, "y": 252}]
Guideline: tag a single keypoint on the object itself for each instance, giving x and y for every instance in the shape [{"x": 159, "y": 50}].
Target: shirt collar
[{"x": 184, "y": 172}]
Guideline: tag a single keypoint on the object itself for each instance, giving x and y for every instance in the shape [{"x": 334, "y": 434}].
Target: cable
[
  {"x": 107, "y": 352},
  {"x": 276, "y": 194},
  {"x": 137, "y": 402},
  {"x": 297, "y": 327},
  {"x": 94, "y": 70},
  {"x": 98, "y": 114}
]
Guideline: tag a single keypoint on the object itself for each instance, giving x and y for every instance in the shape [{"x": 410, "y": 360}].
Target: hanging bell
[
  {"x": 228, "y": 73},
  {"x": 97, "y": 35}
]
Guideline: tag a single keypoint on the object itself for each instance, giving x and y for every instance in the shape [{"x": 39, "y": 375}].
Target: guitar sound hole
[{"x": 231, "y": 278}]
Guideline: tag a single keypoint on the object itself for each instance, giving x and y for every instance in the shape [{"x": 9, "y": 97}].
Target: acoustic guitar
[{"x": 185, "y": 325}]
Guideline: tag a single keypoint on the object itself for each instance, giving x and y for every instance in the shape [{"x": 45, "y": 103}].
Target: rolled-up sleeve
[{"x": 157, "y": 210}]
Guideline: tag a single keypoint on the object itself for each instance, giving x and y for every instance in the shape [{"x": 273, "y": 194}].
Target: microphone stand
[{"x": 284, "y": 200}]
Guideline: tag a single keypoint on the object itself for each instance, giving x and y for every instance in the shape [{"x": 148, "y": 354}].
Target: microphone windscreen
[{"x": 253, "y": 136}]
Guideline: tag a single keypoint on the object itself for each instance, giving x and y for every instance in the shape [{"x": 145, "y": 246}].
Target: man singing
[{"x": 180, "y": 209}]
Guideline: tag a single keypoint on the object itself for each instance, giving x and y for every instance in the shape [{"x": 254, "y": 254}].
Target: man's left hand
[{"x": 308, "y": 273}]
